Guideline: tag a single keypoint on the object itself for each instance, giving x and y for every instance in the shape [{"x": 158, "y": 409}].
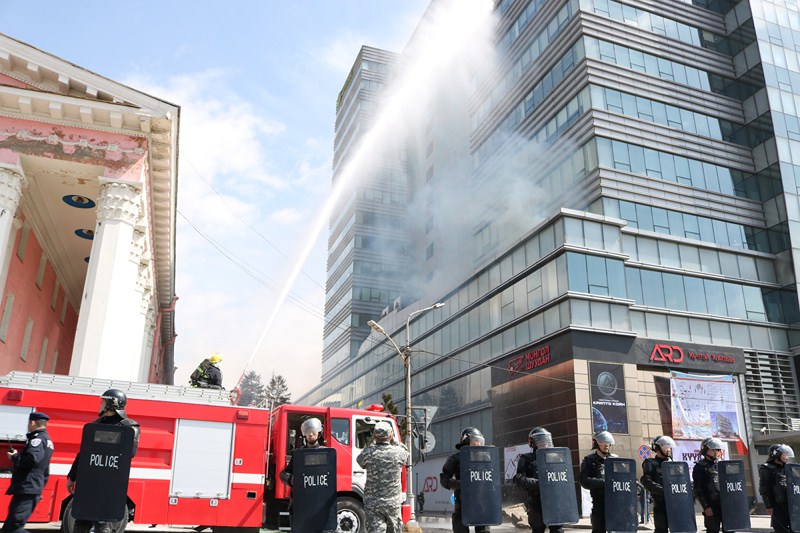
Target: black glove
[{"x": 455, "y": 484}]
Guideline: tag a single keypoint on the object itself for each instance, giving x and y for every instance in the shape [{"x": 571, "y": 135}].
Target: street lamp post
[{"x": 405, "y": 355}]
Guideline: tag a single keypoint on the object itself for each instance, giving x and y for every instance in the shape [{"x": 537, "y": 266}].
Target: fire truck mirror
[
  {"x": 104, "y": 466},
  {"x": 314, "y": 490}
]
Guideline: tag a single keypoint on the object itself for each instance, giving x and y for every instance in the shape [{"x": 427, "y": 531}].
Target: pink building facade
[{"x": 88, "y": 174}]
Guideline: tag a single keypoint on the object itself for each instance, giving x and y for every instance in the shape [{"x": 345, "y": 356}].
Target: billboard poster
[
  {"x": 511, "y": 459},
  {"x": 704, "y": 406},
  {"x": 427, "y": 484},
  {"x": 609, "y": 410}
]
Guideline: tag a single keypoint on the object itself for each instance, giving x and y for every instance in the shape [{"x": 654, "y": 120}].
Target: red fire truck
[{"x": 201, "y": 460}]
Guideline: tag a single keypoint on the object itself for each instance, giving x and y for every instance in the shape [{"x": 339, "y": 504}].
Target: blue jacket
[{"x": 32, "y": 466}]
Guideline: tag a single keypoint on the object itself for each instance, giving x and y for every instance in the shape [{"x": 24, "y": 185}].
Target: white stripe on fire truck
[{"x": 163, "y": 474}]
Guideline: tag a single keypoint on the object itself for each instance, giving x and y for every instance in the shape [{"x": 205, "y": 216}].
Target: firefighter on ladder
[{"x": 207, "y": 374}]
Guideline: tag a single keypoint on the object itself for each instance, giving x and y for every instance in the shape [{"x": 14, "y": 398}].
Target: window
[
  {"x": 340, "y": 430},
  {"x": 23, "y": 353},
  {"x": 6, "y": 320}
]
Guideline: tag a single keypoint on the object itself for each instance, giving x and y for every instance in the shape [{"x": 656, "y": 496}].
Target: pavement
[{"x": 759, "y": 524}]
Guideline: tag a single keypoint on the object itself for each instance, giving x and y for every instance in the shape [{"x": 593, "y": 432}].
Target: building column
[
  {"x": 11, "y": 183},
  {"x": 107, "y": 341}
]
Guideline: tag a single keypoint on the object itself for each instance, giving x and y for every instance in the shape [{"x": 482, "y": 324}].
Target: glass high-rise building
[
  {"x": 628, "y": 174},
  {"x": 366, "y": 247}
]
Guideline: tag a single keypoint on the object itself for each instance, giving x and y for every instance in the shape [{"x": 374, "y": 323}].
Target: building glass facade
[{"x": 661, "y": 140}]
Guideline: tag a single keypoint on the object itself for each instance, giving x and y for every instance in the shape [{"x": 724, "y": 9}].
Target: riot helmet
[
  {"x": 382, "y": 431},
  {"x": 471, "y": 436},
  {"x": 115, "y": 400},
  {"x": 603, "y": 438},
  {"x": 776, "y": 452},
  {"x": 311, "y": 429},
  {"x": 664, "y": 445},
  {"x": 711, "y": 443},
  {"x": 540, "y": 438}
]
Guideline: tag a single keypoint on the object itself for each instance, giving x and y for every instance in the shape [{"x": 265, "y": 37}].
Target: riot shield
[
  {"x": 104, "y": 466},
  {"x": 679, "y": 497},
  {"x": 557, "y": 486},
  {"x": 733, "y": 496},
  {"x": 314, "y": 490},
  {"x": 620, "y": 492},
  {"x": 793, "y": 487},
  {"x": 481, "y": 503}
]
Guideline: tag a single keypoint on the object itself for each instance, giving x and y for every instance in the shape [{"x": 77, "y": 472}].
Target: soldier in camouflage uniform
[{"x": 383, "y": 460}]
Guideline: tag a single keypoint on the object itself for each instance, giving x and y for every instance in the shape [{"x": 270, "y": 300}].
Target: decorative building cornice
[
  {"x": 54, "y": 139},
  {"x": 11, "y": 184},
  {"x": 119, "y": 202}
]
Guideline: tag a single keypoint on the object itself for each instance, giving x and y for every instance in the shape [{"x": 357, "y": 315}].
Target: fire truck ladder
[{"x": 97, "y": 386}]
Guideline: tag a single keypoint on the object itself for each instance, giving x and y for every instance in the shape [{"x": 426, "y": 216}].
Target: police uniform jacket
[
  {"x": 772, "y": 484},
  {"x": 705, "y": 476},
  {"x": 593, "y": 475},
  {"x": 32, "y": 467},
  {"x": 451, "y": 476},
  {"x": 527, "y": 476},
  {"x": 652, "y": 478},
  {"x": 116, "y": 420}
]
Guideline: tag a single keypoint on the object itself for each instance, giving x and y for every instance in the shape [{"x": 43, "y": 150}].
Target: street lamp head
[
  {"x": 438, "y": 305},
  {"x": 374, "y": 325}
]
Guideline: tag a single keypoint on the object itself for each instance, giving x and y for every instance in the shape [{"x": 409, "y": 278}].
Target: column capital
[
  {"x": 119, "y": 201},
  {"x": 12, "y": 180}
]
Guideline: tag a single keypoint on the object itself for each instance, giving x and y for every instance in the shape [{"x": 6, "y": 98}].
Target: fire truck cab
[{"x": 201, "y": 461}]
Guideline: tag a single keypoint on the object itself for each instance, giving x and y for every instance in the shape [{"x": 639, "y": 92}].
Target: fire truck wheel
[
  {"x": 68, "y": 522},
  {"x": 350, "y": 516}
]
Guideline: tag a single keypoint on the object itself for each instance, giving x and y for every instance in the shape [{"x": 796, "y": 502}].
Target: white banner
[{"x": 704, "y": 406}]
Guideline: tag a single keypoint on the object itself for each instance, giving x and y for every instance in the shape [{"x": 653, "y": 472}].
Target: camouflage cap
[{"x": 382, "y": 431}]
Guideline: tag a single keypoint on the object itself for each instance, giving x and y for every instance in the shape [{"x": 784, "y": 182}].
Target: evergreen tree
[
  {"x": 253, "y": 392},
  {"x": 388, "y": 404},
  {"x": 279, "y": 390}
]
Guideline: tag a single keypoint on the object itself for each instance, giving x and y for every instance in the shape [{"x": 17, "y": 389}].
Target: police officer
[
  {"x": 705, "y": 476},
  {"x": 451, "y": 477},
  {"x": 29, "y": 473},
  {"x": 383, "y": 494},
  {"x": 527, "y": 478},
  {"x": 773, "y": 486},
  {"x": 593, "y": 477},
  {"x": 112, "y": 411},
  {"x": 653, "y": 480},
  {"x": 311, "y": 429}
]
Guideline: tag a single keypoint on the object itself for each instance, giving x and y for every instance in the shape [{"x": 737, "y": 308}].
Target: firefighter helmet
[
  {"x": 216, "y": 358},
  {"x": 115, "y": 400},
  {"x": 540, "y": 438},
  {"x": 471, "y": 436}
]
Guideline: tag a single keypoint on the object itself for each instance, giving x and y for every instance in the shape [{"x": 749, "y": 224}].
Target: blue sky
[{"x": 257, "y": 83}]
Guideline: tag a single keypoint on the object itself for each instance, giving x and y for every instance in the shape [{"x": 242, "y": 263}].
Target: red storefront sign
[
  {"x": 529, "y": 361},
  {"x": 671, "y": 353}
]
